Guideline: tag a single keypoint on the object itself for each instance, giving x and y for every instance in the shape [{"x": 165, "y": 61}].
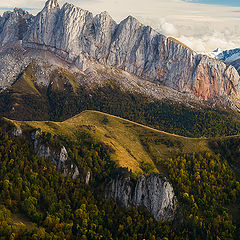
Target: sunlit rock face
[
  {"x": 154, "y": 193},
  {"x": 85, "y": 40}
]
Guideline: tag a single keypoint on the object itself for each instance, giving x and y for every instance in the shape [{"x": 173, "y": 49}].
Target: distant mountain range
[{"x": 230, "y": 56}]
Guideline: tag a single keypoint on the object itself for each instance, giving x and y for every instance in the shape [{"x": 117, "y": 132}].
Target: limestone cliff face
[
  {"x": 72, "y": 33},
  {"x": 214, "y": 78},
  {"x": 87, "y": 41},
  {"x": 77, "y": 35},
  {"x": 153, "y": 192},
  {"x": 58, "y": 156},
  {"x": 14, "y": 25}
]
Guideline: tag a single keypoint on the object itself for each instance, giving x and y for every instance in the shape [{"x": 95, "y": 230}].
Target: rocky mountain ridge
[
  {"x": 14, "y": 25},
  {"x": 98, "y": 40},
  {"x": 231, "y": 56}
]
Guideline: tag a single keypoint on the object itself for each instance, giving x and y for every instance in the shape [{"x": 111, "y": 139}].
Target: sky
[{"x": 203, "y": 25}]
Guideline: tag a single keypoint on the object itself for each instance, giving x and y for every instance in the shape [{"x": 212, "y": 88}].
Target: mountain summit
[
  {"x": 51, "y": 4},
  {"x": 88, "y": 41}
]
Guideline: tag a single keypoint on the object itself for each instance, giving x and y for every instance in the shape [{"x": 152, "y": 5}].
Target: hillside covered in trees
[
  {"x": 60, "y": 104},
  {"x": 58, "y": 207}
]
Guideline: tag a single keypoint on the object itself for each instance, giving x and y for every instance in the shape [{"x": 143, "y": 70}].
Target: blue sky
[{"x": 235, "y": 3}]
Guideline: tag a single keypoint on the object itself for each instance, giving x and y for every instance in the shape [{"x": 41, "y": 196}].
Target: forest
[
  {"x": 195, "y": 121},
  {"x": 207, "y": 189}
]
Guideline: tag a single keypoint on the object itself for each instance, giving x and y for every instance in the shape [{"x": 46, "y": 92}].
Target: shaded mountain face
[
  {"x": 236, "y": 64},
  {"x": 14, "y": 25},
  {"x": 231, "y": 57},
  {"x": 89, "y": 41}
]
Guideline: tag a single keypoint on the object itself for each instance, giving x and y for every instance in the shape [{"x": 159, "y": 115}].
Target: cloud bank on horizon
[{"x": 203, "y": 25}]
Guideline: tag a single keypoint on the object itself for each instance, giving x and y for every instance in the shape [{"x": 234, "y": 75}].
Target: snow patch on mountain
[{"x": 228, "y": 55}]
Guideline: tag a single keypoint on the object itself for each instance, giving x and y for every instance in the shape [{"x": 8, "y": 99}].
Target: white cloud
[
  {"x": 201, "y": 38},
  {"x": 168, "y": 29},
  {"x": 207, "y": 43},
  {"x": 202, "y": 27}
]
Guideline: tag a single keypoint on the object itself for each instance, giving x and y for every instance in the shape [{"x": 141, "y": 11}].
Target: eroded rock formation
[
  {"x": 58, "y": 156},
  {"x": 154, "y": 193}
]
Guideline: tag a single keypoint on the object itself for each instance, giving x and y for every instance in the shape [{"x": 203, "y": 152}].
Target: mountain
[
  {"x": 231, "y": 57},
  {"x": 96, "y": 41},
  {"x": 113, "y": 131},
  {"x": 42, "y": 77}
]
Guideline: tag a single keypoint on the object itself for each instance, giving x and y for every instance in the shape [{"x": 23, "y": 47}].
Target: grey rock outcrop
[
  {"x": 58, "y": 156},
  {"x": 63, "y": 156},
  {"x": 44, "y": 24},
  {"x": 14, "y": 25},
  {"x": 153, "y": 192},
  {"x": 80, "y": 38},
  {"x": 13, "y": 60},
  {"x": 87, "y": 177},
  {"x": 41, "y": 149},
  {"x": 75, "y": 173},
  {"x": 17, "y": 131}
]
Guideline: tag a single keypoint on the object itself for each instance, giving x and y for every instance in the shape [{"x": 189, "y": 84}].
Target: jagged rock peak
[
  {"x": 68, "y": 7},
  {"x": 14, "y": 25},
  {"x": 16, "y": 12},
  {"x": 105, "y": 15},
  {"x": 130, "y": 20},
  {"x": 21, "y": 11},
  {"x": 51, "y": 4}
]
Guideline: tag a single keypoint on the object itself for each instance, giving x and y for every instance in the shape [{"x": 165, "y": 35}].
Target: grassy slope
[
  {"x": 25, "y": 83},
  {"x": 125, "y": 137}
]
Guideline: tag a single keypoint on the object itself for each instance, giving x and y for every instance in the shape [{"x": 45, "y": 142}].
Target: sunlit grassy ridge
[
  {"x": 129, "y": 140},
  {"x": 175, "y": 40}
]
